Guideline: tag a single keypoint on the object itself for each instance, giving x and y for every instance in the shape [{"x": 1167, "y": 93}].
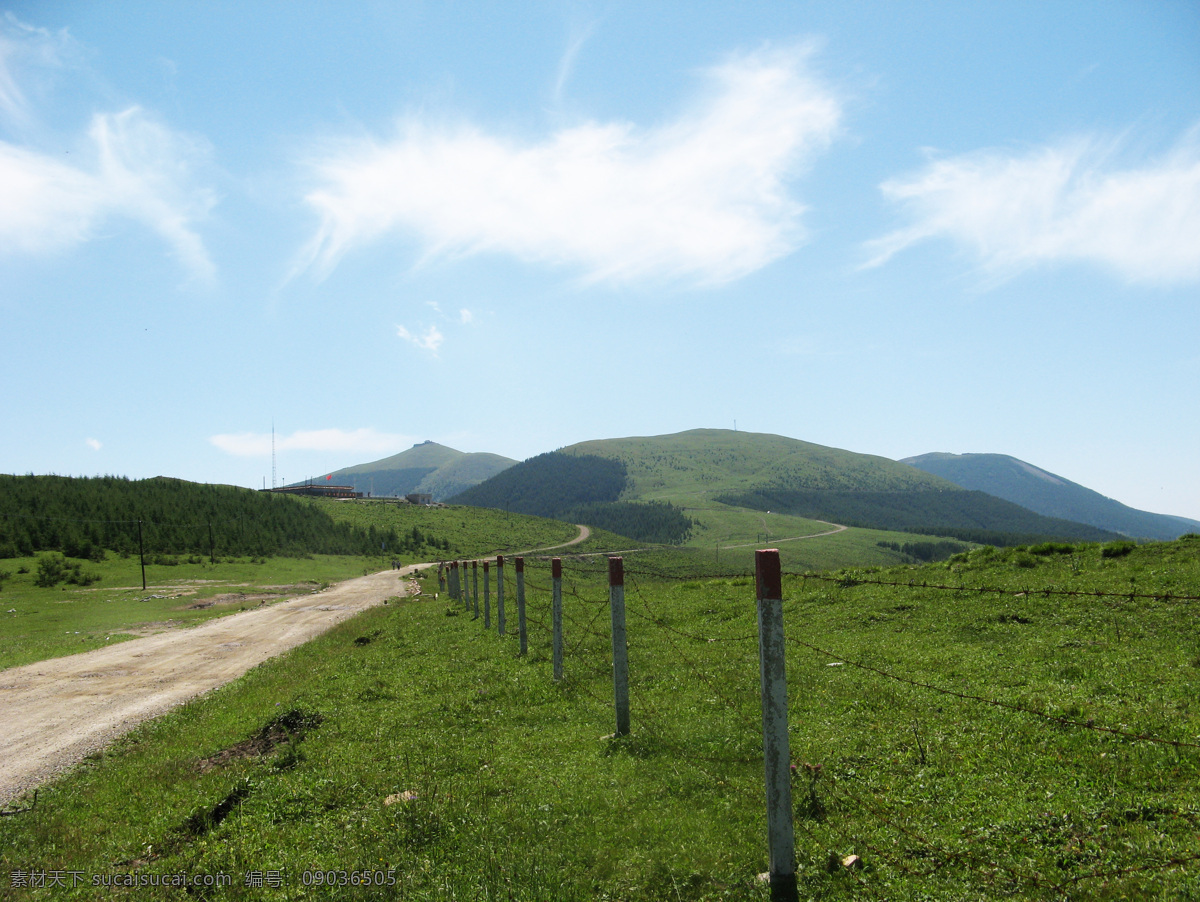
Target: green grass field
[
  {"x": 38, "y": 623},
  {"x": 471, "y": 531},
  {"x": 1019, "y": 743}
]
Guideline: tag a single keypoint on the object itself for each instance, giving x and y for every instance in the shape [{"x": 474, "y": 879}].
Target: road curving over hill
[{"x": 58, "y": 711}]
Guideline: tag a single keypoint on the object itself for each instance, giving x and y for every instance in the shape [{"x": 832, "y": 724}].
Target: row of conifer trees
[{"x": 86, "y": 517}]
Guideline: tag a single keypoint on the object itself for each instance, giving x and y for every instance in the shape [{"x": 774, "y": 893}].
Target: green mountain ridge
[
  {"x": 1049, "y": 494},
  {"x": 720, "y": 468},
  {"x": 426, "y": 468}
]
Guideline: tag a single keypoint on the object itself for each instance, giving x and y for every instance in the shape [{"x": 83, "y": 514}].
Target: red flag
[{"x": 329, "y": 477}]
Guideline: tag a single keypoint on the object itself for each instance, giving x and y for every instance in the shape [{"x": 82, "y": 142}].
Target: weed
[{"x": 1116, "y": 549}]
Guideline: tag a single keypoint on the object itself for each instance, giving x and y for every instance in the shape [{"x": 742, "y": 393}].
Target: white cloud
[
  {"x": 430, "y": 341},
  {"x": 1066, "y": 202},
  {"x": 94, "y": 444},
  {"x": 29, "y": 54},
  {"x": 256, "y": 444},
  {"x": 703, "y": 197},
  {"x": 138, "y": 169},
  {"x": 126, "y": 166},
  {"x": 466, "y": 317},
  {"x": 566, "y": 63}
]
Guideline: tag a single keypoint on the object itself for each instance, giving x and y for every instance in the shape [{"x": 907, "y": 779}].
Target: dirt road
[{"x": 55, "y": 712}]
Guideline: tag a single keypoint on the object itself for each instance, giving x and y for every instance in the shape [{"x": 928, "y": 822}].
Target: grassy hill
[
  {"x": 701, "y": 462},
  {"x": 989, "y": 727},
  {"x": 1045, "y": 493},
  {"x": 708, "y": 474},
  {"x": 425, "y": 468}
]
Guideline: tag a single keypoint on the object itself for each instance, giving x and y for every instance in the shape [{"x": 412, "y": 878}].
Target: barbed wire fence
[{"x": 912, "y": 851}]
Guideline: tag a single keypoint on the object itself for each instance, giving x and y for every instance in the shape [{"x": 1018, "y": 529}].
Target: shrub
[
  {"x": 1052, "y": 548},
  {"x": 77, "y": 577},
  {"x": 1117, "y": 549},
  {"x": 51, "y": 569}
]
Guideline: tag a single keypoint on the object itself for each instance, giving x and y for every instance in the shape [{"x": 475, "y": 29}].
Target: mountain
[
  {"x": 426, "y": 468},
  {"x": 1045, "y": 493},
  {"x": 579, "y": 488},
  {"x": 768, "y": 473}
]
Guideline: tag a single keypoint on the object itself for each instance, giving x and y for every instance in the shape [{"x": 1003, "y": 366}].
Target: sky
[{"x": 893, "y": 228}]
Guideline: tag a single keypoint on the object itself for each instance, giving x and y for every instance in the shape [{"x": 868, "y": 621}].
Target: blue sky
[{"x": 886, "y": 227}]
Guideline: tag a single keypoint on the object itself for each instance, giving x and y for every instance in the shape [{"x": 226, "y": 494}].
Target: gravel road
[{"x": 53, "y": 713}]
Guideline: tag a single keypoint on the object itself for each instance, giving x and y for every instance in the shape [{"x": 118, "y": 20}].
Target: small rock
[
  {"x": 852, "y": 861},
  {"x": 396, "y": 798}
]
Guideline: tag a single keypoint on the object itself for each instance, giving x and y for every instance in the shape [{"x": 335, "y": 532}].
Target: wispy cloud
[
  {"x": 430, "y": 341},
  {"x": 704, "y": 197},
  {"x": 94, "y": 444},
  {"x": 1067, "y": 202},
  {"x": 127, "y": 165},
  {"x": 566, "y": 63},
  {"x": 28, "y": 53},
  {"x": 257, "y": 444},
  {"x": 138, "y": 169}
]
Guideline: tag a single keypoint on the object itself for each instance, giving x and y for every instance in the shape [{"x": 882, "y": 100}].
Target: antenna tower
[{"x": 272, "y": 454}]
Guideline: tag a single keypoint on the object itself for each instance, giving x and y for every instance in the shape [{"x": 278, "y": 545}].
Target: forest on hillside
[
  {"x": 579, "y": 488},
  {"x": 83, "y": 517},
  {"x": 967, "y": 515}
]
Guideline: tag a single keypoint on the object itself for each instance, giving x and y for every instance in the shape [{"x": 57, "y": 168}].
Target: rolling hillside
[
  {"x": 1045, "y": 493},
  {"x": 712, "y": 469},
  {"x": 427, "y": 468},
  {"x": 579, "y": 488}
]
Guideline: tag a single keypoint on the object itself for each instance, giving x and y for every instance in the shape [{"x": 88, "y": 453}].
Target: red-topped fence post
[
  {"x": 466, "y": 588},
  {"x": 521, "y": 631},
  {"x": 776, "y": 755},
  {"x": 616, "y": 600},
  {"x": 475, "y": 587},
  {"x": 487, "y": 596},
  {"x": 556, "y": 574},
  {"x": 500, "y": 594}
]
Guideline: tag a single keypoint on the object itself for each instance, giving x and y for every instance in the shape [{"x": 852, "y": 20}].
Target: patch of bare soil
[
  {"x": 266, "y": 595},
  {"x": 291, "y": 726}
]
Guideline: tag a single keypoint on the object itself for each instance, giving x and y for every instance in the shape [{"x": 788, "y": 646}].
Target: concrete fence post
[
  {"x": 776, "y": 755},
  {"x": 616, "y": 600},
  {"x": 466, "y": 588},
  {"x": 441, "y": 578},
  {"x": 487, "y": 596},
  {"x": 475, "y": 587},
  {"x": 454, "y": 593},
  {"x": 522, "y": 633},
  {"x": 500, "y": 594},
  {"x": 556, "y": 604}
]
